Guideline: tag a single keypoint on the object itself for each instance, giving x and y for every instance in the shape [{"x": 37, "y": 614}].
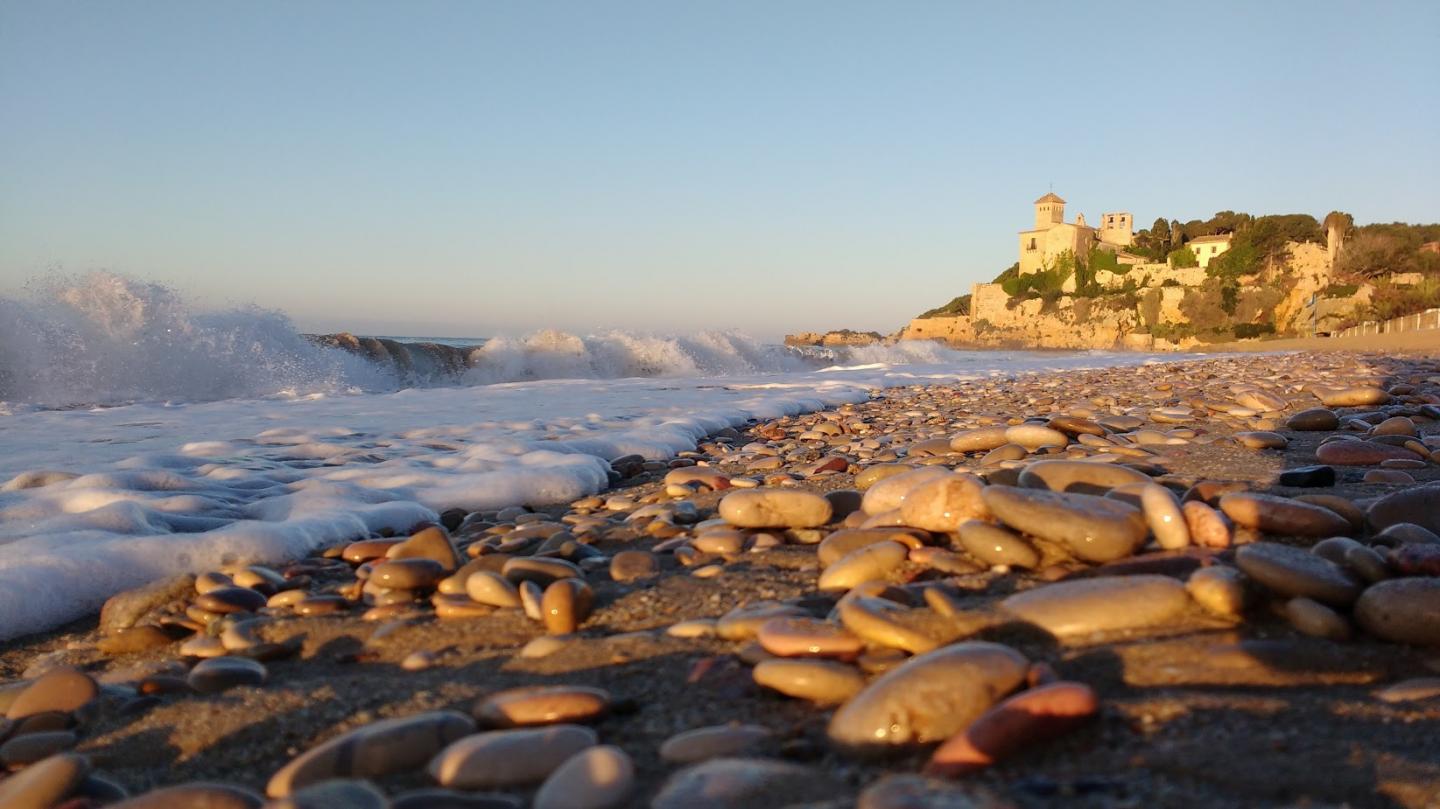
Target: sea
[{"x": 141, "y": 438}]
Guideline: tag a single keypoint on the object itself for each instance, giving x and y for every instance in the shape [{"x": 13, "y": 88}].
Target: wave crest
[{"x": 102, "y": 338}]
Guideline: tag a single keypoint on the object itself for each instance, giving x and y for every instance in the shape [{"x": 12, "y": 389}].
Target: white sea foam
[
  {"x": 301, "y": 447},
  {"x": 155, "y": 489},
  {"x": 102, "y": 338}
]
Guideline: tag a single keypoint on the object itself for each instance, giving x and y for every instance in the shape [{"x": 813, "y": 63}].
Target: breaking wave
[{"x": 102, "y": 338}]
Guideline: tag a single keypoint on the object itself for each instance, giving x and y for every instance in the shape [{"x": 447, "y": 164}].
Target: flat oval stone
[
  {"x": 43, "y": 784},
  {"x": 509, "y": 758},
  {"x": 542, "y": 705},
  {"x": 943, "y": 503},
  {"x": 407, "y": 574},
  {"x": 807, "y": 637},
  {"x": 432, "y": 542},
  {"x": 1317, "y": 620},
  {"x": 367, "y": 549},
  {"x": 1093, "y": 528},
  {"x": 1028, "y": 718},
  {"x": 737, "y": 783},
  {"x": 775, "y": 508},
  {"x": 1076, "y": 425},
  {"x": 1261, "y": 401},
  {"x": 60, "y": 690},
  {"x": 1220, "y": 590},
  {"x": 1359, "y": 453},
  {"x": 1413, "y": 690},
  {"x": 1292, "y": 572},
  {"x": 822, "y": 682},
  {"x": 1346, "y": 509},
  {"x": 742, "y": 623},
  {"x": 628, "y": 566},
  {"x": 29, "y": 748},
  {"x": 600, "y": 777},
  {"x": 1281, "y": 515},
  {"x": 878, "y": 621},
  {"x": 929, "y": 698},
  {"x": 1105, "y": 604},
  {"x": 1035, "y": 436},
  {"x": 194, "y": 795},
  {"x": 339, "y": 793},
  {"x": 842, "y": 542},
  {"x": 539, "y": 569},
  {"x": 871, "y": 475},
  {"x": 1419, "y": 506},
  {"x": 995, "y": 545},
  {"x": 714, "y": 741},
  {"x": 489, "y": 587},
  {"x": 1389, "y": 477},
  {"x": 1402, "y": 610},
  {"x": 1314, "y": 419},
  {"x": 1262, "y": 439},
  {"x": 379, "y": 748},
  {"x": 1079, "y": 477},
  {"x": 725, "y": 542},
  {"x": 981, "y": 439},
  {"x": 225, "y": 600},
  {"x": 889, "y": 494},
  {"x": 1362, "y": 396},
  {"x": 1395, "y": 425},
  {"x": 867, "y": 563},
  {"x": 218, "y": 674}
]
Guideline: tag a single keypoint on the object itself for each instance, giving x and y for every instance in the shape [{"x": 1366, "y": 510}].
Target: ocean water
[{"x": 140, "y": 439}]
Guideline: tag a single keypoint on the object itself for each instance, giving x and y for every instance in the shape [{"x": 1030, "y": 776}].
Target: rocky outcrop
[
  {"x": 417, "y": 362},
  {"x": 840, "y": 337}
]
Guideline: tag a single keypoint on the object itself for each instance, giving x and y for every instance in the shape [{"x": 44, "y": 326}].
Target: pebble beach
[{"x": 1209, "y": 582}]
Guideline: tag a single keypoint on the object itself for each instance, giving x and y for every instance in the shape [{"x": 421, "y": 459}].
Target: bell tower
[{"x": 1049, "y": 211}]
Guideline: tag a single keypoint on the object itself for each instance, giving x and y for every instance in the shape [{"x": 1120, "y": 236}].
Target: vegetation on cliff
[{"x": 1394, "y": 268}]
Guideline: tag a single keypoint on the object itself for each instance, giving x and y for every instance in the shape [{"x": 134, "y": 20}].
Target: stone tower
[
  {"x": 1049, "y": 211},
  {"x": 1117, "y": 228}
]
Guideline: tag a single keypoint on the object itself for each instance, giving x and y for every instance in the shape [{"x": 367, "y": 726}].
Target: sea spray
[{"x": 102, "y": 338}]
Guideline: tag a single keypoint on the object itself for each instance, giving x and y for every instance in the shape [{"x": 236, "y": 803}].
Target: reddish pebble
[{"x": 1032, "y": 716}]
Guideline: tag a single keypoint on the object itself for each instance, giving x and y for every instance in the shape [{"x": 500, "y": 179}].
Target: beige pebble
[
  {"x": 775, "y": 508},
  {"x": 379, "y": 748},
  {"x": 1315, "y": 619},
  {"x": 715, "y": 741},
  {"x": 541, "y": 705},
  {"x": 872, "y": 562},
  {"x": 509, "y": 758},
  {"x": 489, "y": 587},
  {"x": 1220, "y": 590},
  {"x": 929, "y": 698},
  {"x": 601, "y": 777},
  {"x": 822, "y": 682}
]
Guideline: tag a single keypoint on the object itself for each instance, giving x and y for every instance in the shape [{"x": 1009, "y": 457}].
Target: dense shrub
[
  {"x": 1183, "y": 257},
  {"x": 957, "y": 307},
  {"x": 1245, "y": 331},
  {"x": 1396, "y": 300}
]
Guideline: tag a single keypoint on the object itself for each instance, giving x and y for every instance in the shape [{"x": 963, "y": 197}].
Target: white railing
[{"x": 1420, "y": 321}]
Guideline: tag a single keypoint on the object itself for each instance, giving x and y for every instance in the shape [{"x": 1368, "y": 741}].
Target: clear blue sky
[{"x": 470, "y": 168}]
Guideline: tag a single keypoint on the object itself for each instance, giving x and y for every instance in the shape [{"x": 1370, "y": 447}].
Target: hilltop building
[
  {"x": 1208, "y": 248},
  {"x": 1052, "y": 235}
]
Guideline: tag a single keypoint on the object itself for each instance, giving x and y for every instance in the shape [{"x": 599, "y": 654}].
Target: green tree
[{"x": 1183, "y": 257}]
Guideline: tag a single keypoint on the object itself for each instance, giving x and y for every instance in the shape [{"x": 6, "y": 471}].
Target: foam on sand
[{"x": 100, "y": 500}]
